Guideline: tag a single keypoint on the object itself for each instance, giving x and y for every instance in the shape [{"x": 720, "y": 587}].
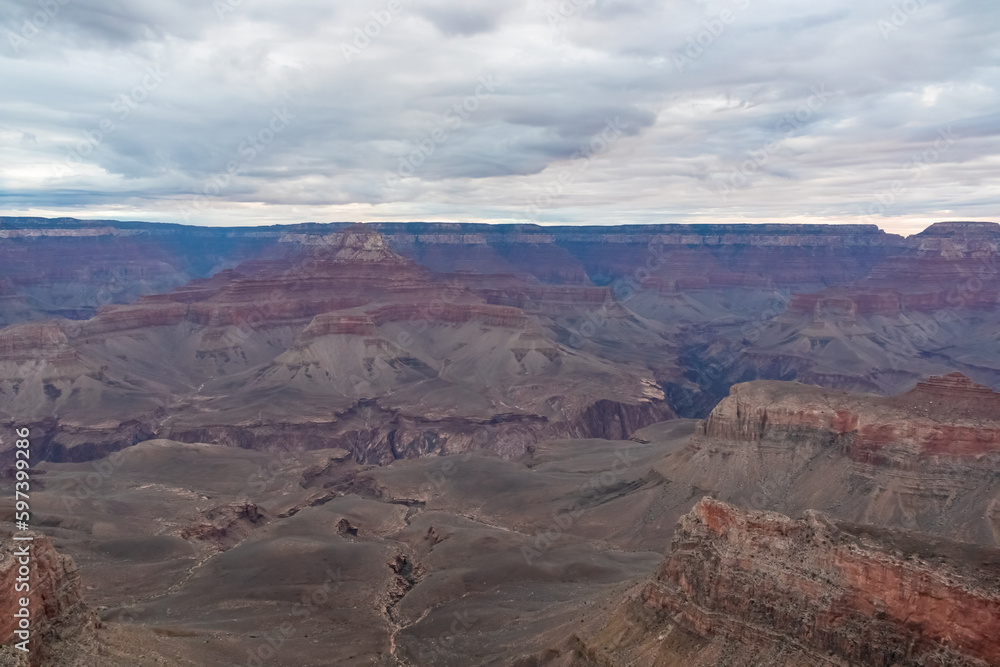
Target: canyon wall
[
  {"x": 63, "y": 628},
  {"x": 923, "y": 460},
  {"x": 781, "y": 591}
]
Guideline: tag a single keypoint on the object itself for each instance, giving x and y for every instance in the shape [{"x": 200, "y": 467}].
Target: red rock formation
[
  {"x": 950, "y": 265},
  {"x": 953, "y": 395},
  {"x": 942, "y": 416},
  {"x": 925, "y": 460},
  {"x": 780, "y": 591},
  {"x": 34, "y": 341},
  {"x": 62, "y": 626},
  {"x": 106, "y": 260}
]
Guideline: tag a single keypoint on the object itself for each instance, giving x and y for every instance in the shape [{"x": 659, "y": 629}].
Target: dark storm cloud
[{"x": 746, "y": 109}]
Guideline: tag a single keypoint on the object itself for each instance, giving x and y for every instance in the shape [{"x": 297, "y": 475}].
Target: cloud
[
  {"x": 465, "y": 18},
  {"x": 388, "y": 116}
]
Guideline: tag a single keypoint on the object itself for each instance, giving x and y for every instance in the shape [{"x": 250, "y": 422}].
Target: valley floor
[{"x": 209, "y": 555}]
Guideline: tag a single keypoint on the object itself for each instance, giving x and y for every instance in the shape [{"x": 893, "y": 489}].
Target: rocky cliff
[
  {"x": 759, "y": 588},
  {"x": 924, "y": 460},
  {"x": 948, "y": 416},
  {"x": 929, "y": 308},
  {"x": 334, "y": 340},
  {"x": 620, "y": 314},
  {"x": 63, "y": 629},
  {"x": 70, "y": 267}
]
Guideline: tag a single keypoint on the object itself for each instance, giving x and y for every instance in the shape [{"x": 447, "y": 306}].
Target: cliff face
[
  {"x": 924, "y": 460},
  {"x": 63, "y": 628},
  {"x": 783, "y": 592},
  {"x": 331, "y": 340},
  {"x": 342, "y": 313},
  {"x": 947, "y": 265},
  {"x": 71, "y": 267},
  {"x": 947, "y": 416},
  {"x": 66, "y": 267},
  {"x": 927, "y": 307},
  {"x": 42, "y": 340}
]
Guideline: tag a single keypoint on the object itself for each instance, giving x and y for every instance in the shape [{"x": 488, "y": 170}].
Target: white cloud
[{"x": 567, "y": 68}]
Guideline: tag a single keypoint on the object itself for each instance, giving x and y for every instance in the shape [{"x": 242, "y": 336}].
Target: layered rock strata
[
  {"x": 63, "y": 629},
  {"x": 810, "y": 590},
  {"x": 924, "y": 460}
]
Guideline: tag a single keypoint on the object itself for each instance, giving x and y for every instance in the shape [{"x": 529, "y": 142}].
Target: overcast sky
[{"x": 578, "y": 112}]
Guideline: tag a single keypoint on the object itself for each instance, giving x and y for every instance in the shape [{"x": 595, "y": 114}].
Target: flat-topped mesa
[
  {"x": 787, "y": 592},
  {"x": 955, "y": 229},
  {"x": 63, "y": 627},
  {"x": 949, "y": 416},
  {"x": 752, "y": 408}
]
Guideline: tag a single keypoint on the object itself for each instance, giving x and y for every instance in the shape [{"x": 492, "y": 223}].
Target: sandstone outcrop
[
  {"x": 63, "y": 628},
  {"x": 758, "y": 588},
  {"x": 924, "y": 460},
  {"x": 942, "y": 416}
]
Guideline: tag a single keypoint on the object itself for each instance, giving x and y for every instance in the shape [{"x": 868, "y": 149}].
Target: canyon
[
  {"x": 464, "y": 444},
  {"x": 200, "y": 552}
]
